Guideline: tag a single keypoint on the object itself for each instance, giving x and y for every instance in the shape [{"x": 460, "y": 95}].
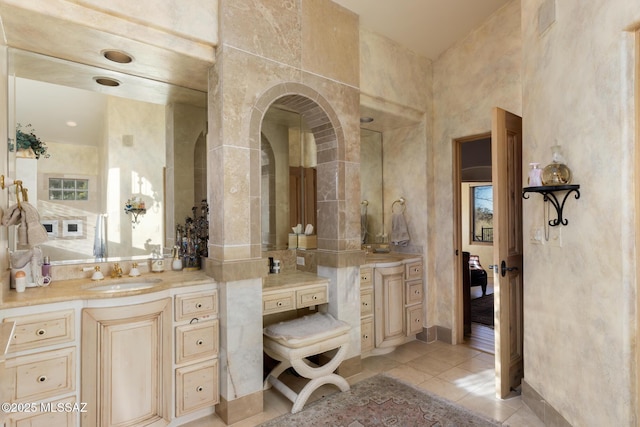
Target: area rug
[
  {"x": 482, "y": 310},
  {"x": 382, "y": 401}
]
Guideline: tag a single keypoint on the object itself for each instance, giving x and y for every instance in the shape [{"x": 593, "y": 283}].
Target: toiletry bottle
[
  {"x": 176, "y": 264},
  {"x": 46, "y": 267},
  {"x": 157, "y": 262}
]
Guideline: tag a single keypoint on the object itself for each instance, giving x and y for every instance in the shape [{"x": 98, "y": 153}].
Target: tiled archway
[{"x": 326, "y": 129}]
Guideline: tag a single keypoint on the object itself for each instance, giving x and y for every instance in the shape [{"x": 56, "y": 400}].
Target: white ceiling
[{"x": 427, "y": 27}]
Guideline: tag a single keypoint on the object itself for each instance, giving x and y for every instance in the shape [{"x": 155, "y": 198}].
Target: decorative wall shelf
[
  {"x": 549, "y": 193},
  {"x": 135, "y": 212}
]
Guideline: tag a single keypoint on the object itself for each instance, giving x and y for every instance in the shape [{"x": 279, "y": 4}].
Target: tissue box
[
  {"x": 293, "y": 241},
  {"x": 307, "y": 242}
]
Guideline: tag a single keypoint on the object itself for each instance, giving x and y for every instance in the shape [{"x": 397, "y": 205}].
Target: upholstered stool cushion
[{"x": 307, "y": 330}]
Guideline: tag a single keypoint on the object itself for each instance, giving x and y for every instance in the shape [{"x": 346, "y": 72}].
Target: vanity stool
[{"x": 291, "y": 342}]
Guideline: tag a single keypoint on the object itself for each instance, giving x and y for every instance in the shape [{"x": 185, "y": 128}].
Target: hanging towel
[
  {"x": 30, "y": 231},
  {"x": 399, "y": 230}
]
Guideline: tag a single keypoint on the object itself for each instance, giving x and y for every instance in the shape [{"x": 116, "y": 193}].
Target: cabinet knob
[
  {"x": 42, "y": 378},
  {"x": 199, "y": 305},
  {"x": 41, "y": 332},
  {"x": 199, "y": 342},
  {"x": 315, "y": 297},
  {"x": 199, "y": 388},
  {"x": 279, "y": 303},
  {"x": 365, "y": 304},
  {"x": 366, "y": 337}
]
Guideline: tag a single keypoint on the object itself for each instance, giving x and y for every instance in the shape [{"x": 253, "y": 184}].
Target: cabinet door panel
[
  {"x": 126, "y": 364},
  {"x": 389, "y": 313}
]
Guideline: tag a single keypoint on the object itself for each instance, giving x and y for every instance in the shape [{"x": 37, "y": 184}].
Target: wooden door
[
  {"x": 389, "y": 303},
  {"x": 126, "y": 365},
  {"x": 506, "y": 152}
]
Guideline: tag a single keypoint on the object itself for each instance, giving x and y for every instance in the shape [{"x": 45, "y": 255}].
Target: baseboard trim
[
  {"x": 539, "y": 406},
  {"x": 233, "y": 411}
]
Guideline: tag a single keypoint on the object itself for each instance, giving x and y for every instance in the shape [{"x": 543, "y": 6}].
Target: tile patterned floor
[{"x": 458, "y": 373}]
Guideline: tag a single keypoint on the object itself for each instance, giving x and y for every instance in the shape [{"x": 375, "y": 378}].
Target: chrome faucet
[{"x": 116, "y": 271}]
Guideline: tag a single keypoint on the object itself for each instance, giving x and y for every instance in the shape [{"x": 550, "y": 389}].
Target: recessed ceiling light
[
  {"x": 106, "y": 81},
  {"x": 72, "y": 124},
  {"x": 366, "y": 119},
  {"x": 117, "y": 56}
]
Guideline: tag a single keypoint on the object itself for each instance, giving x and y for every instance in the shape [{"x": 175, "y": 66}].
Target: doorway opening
[{"x": 474, "y": 240}]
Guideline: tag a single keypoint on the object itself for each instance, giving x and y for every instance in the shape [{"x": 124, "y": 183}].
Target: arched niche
[{"x": 322, "y": 120}]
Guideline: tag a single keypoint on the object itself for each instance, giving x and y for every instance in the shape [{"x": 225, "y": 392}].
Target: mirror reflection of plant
[{"x": 27, "y": 138}]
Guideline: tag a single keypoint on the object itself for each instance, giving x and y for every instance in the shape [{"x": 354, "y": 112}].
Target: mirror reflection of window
[
  {"x": 482, "y": 213},
  {"x": 141, "y": 139}
]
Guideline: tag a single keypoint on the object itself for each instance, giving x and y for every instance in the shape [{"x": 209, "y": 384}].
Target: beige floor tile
[
  {"x": 418, "y": 346},
  {"x": 478, "y": 364},
  {"x": 491, "y": 408},
  {"x": 430, "y": 365},
  {"x": 454, "y": 354},
  {"x": 470, "y": 381},
  {"x": 457, "y": 373},
  {"x": 443, "y": 388},
  {"x": 409, "y": 374},
  {"x": 378, "y": 364},
  {"x": 404, "y": 354},
  {"x": 524, "y": 417}
]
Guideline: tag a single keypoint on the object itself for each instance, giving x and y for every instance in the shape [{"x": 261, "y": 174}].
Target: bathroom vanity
[
  {"x": 391, "y": 298},
  {"x": 73, "y": 347}
]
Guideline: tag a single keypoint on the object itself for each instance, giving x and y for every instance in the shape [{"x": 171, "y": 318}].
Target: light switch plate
[{"x": 300, "y": 260}]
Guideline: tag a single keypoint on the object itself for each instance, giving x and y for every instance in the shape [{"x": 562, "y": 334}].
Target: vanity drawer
[
  {"x": 196, "y": 341},
  {"x": 414, "y": 292},
  {"x": 196, "y": 305},
  {"x": 414, "y": 320},
  {"x": 58, "y": 416},
  {"x": 313, "y": 296},
  {"x": 38, "y": 330},
  {"x": 366, "y": 302},
  {"x": 366, "y": 335},
  {"x": 42, "y": 375},
  {"x": 366, "y": 273},
  {"x": 278, "y": 301},
  {"x": 413, "y": 270},
  {"x": 196, "y": 386}
]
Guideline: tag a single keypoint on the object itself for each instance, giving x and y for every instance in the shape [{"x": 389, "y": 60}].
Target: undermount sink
[{"x": 126, "y": 286}]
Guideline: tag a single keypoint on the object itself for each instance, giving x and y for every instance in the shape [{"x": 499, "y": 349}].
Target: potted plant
[{"x": 26, "y": 140}]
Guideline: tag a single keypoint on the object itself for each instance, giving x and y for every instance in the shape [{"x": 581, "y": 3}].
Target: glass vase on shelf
[
  {"x": 556, "y": 172},
  {"x": 535, "y": 175}
]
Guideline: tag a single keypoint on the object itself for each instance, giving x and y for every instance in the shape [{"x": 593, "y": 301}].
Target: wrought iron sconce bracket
[{"x": 549, "y": 193}]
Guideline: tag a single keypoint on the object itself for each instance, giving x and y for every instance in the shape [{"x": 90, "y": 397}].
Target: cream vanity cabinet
[
  {"x": 196, "y": 351},
  {"x": 137, "y": 357},
  {"x": 395, "y": 291},
  {"x": 126, "y": 364},
  {"x": 41, "y": 367},
  {"x": 366, "y": 309}
]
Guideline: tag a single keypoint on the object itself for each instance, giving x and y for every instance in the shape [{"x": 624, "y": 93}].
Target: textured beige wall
[
  {"x": 478, "y": 73},
  {"x": 580, "y": 299},
  {"x": 396, "y": 87}
]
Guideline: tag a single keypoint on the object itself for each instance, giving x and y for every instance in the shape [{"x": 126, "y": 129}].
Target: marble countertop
[
  {"x": 289, "y": 280},
  {"x": 80, "y": 289},
  {"x": 389, "y": 259}
]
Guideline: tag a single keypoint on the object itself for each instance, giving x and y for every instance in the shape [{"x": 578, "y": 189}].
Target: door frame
[{"x": 457, "y": 231}]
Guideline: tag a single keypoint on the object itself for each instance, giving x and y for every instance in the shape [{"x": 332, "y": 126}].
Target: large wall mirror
[
  {"x": 127, "y": 139},
  {"x": 289, "y": 160},
  {"x": 371, "y": 185}
]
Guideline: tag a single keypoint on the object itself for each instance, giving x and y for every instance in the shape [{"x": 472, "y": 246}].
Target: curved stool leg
[
  {"x": 313, "y": 385},
  {"x": 315, "y": 372}
]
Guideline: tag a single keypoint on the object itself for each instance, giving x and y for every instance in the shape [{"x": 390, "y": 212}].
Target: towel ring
[{"x": 401, "y": 202}]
